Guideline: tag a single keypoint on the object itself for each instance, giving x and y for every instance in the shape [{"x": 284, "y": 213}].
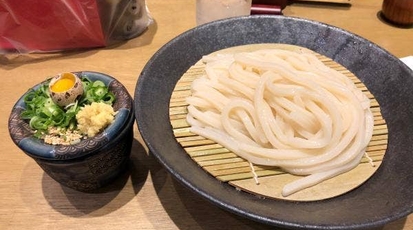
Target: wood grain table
[{"x": 146, "y": 197}]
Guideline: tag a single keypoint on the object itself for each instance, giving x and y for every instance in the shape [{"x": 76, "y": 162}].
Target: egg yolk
[{"x": 63, "y": 84}]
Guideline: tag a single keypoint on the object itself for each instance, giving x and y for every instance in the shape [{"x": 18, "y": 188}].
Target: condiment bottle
[{"x": 399, "y": 12}]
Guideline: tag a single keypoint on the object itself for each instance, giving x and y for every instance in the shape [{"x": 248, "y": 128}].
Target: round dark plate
[{"x": 385, "y": 197}]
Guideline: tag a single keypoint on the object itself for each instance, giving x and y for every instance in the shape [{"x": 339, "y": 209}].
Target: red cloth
[{"x": 47, "y": 25}]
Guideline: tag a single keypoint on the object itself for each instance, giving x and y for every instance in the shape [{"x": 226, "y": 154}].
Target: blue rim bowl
[{"x": 91, "y": 163}]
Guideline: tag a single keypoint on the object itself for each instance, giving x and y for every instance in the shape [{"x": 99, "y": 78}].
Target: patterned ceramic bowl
[{"x": 91, "y": 163}]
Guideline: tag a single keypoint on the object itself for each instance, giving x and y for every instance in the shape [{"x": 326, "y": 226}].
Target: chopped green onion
[{"x": 43, "y": 113}]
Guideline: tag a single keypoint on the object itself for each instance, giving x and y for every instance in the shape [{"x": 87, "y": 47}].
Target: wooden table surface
[{"x": 147, "y": 197}]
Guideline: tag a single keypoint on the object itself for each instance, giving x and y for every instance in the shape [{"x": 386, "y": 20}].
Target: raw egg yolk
[{"x": 63, "y": 84}]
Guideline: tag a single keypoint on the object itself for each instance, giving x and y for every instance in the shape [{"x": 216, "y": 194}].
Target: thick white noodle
[{"x": 282, "y": 108}]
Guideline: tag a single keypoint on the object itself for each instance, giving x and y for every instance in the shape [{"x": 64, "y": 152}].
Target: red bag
[{"x": 53, "y": 25}]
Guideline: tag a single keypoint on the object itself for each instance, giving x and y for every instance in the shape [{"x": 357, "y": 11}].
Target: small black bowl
[{"x": 92, "y": 163}]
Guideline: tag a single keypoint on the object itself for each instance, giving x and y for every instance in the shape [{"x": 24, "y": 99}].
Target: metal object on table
[{"x": 274, "y": 7}]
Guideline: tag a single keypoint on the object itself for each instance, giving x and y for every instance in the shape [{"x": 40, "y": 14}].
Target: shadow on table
[
  {"x": 12, "y": 61},
  {"x": 396, "y": 225},
  {"x": 338, "y": 7},
  {"x": 91, "y": 203},
  {"x": 190, "y": 211}
]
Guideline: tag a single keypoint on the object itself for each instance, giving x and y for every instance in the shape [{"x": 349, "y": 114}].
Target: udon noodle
[{"x": 282, "y": 108}]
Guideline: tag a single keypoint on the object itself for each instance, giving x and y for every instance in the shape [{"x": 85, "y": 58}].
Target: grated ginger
[{"x": 93, "y": 118}]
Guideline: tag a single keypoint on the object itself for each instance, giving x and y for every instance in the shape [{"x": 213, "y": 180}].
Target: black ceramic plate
[{"x": 385, "y": 197}]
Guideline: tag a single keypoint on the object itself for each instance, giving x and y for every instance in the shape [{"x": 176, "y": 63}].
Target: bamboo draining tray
[{"x": 228, "y": 167}]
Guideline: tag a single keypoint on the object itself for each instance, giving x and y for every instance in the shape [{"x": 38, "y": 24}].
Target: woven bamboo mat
[{"x": 228, "y": 167}]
